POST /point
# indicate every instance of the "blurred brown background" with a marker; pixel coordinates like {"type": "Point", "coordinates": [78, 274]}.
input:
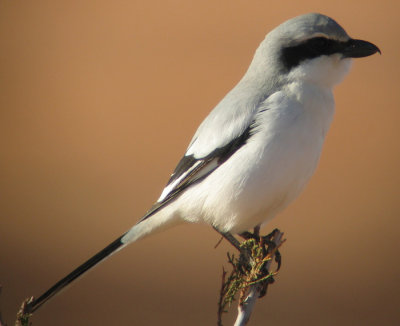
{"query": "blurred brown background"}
{"type": "Point", "coordinates": [98, 102]}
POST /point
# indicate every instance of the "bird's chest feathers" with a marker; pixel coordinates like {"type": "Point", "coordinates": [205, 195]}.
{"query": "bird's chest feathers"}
{"type": "Point", "coordinates": [299, 121]}
{"type": "Point", "coordinates": [310, 110]}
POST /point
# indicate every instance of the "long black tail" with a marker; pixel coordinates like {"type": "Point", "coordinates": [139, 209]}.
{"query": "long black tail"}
{"type": "Point", "coordinates": [56, 288]}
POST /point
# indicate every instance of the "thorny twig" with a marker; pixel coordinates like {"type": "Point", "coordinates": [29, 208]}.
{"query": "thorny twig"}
{"type": "Point", "coordinates": [250, 274]}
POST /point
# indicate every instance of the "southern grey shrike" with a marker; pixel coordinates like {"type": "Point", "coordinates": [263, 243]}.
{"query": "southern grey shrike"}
{"type": "Point", "coordinates": [257, 149]}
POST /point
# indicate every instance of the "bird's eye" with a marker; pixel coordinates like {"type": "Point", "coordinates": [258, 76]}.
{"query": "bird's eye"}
{"type": "Point", "coordinates": [319, 43]}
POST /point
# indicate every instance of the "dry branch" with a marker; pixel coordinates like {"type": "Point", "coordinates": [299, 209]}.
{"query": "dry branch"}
{"type": "Point", "coordinates": [251, 274]}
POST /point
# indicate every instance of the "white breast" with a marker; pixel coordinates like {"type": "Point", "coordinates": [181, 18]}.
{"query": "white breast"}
{"type": "Point", "coordinates": [266, 174]}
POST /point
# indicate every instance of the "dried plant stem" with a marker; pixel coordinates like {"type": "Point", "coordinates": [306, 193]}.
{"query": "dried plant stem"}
{"type": "Point", "coordinates": [251, 274]}
{"type": "Point", "coordinates": [245, 308]}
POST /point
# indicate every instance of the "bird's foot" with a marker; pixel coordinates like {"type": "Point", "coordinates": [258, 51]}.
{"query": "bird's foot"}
{"type": "Point", "coordinates": [255, 254]}
{"type": "Point", "coordinates": [252, 244]}
{"type": "Point", "coordinates": [253, 267]}
{"type": "Point", "coordinates": [248, 235]}
{"type": "Point", "coordinates": [269, 242]}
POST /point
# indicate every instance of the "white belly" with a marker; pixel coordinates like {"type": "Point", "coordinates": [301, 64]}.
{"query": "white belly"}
{"type": "Point", "coordinates": [270, 171]}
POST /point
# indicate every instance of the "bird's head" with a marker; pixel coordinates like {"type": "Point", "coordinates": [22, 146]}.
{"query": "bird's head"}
{"type": "Point", "coordinates": [311, 47]}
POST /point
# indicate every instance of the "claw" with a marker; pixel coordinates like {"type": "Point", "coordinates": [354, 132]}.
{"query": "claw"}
{"type": "Point", "coordinates": [248, 235]}
{"type": "Point", "coordinates": [278, 259]}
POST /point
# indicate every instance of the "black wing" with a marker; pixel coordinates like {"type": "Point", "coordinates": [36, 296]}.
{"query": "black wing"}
{"type": "Point", "coordinates": [191, 170]}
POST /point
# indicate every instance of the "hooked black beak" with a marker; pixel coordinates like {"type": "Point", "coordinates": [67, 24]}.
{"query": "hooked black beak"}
{"type": "Point", "coordinates": [359, 49]}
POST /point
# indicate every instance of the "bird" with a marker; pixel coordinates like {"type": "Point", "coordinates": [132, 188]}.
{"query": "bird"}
{"type": "Point", "coordinates": [257, 149]}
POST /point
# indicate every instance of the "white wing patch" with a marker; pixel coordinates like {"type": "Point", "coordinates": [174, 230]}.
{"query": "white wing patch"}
{"type": "Point", "coordinates": [192, 169]}
{"type": "Point", "coordinates": [176, 182]}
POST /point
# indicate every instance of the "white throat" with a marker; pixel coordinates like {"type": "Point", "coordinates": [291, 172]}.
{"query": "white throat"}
{"type": "Point", "coordinates": [325, 71]}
